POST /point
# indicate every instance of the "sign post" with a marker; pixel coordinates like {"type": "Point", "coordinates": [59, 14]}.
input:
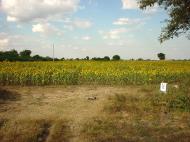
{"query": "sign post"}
{"type": "Point", "coordinates": [163, 87]}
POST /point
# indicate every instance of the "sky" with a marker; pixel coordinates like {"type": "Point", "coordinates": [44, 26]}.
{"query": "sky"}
{"type": "Point", "coordinates": [80, 28]}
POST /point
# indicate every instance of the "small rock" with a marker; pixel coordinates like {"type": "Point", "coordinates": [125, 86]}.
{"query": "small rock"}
{"type": "Point", "coordinates": [176, 86]}
{"type": "Point", "coordinates": [92, 98]}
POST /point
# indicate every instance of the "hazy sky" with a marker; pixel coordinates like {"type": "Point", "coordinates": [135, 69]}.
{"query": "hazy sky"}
{"type": "Point", "coordinates": [81, 28]}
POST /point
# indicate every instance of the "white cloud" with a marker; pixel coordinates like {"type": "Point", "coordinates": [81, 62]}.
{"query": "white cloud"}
{"type": "Point", "coordinates": [46, 28]}
{"type": "Point", "coordinates": [133, 4]}
{"type": "Point", "coordinates": [69, 27]}
{"type": "Point", "coordinates": [129, 4]}
{"type": "Point", "coordinates": [11, 19]}
{"type": "Point", "coordinates": [151, 10]}
{"type": "Point", "coordinates": [29, 10]}
{"type": "Point", "coordinates": [22, 42]}
{"type": "Point", "coordinates": [19, 26]}
{"type": "Point", "coordinates": [86, 38]}
{"type": "Point", "coordinates": [121, 21]}
{"type": "Point", "coordinates": [127, 21]}
{"type": "Point", "coordinates": [118, 44]}
{"type": "Point", "coordinates": [4, 42]}
{"type": "Point", "coordinates": [83, 24]}
{"type": "Point", "coordinates": [100, 31]}
{"type": "Point", "coordinates": [77, 23]}
{"type": "Point", "coordinates": [38, 28]}
{"type": "Point", "coordinates": [114, 33]}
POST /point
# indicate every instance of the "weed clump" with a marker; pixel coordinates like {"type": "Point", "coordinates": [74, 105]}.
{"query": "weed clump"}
{"type": "Point", "coordinates": [60, 132]}
{"type": "Point", "coordinates": [104, 130]}
{"type": "Point", "coordinates": [6, 95]}
{"type": "Point", "coordinates": [173, 100]}
{"type": "Point", "coordinates": [117, 103]}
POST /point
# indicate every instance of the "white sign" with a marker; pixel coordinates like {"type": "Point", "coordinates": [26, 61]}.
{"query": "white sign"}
{"type": "Point", "coordinates": [163, 87]}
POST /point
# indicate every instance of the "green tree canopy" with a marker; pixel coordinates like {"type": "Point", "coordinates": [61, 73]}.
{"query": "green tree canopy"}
{"type": "Point", "coordinates": [107, 58]}
{"type": "Point", "coordinates": [25, 53]}
{"type": "Point", "coordinates": [161, 56]}
{"type": "Point", "coordinates": [179, 16]}
{"type": "Point", "coordinates": [9, 55]}
{"type": "Point", "coordinates": [116, 58]}
{"type": "Point", "coordinates": [87, 58]}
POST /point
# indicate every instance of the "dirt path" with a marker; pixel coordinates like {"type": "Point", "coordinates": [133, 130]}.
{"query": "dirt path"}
{"type": "Point", "coordinates": [60, 102]}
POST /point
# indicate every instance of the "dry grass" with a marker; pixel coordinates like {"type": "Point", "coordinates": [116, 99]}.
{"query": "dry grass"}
{"type": "Point", "coordinates": [60, 132]}
{"type": "Point", "coordinates": [7, 96]}
{"type": "Point", "coordinates": [24, 131]}
{"type": "Point", "coordinates": [129, 118]}
{"type": "Point", "coordinates": [119, 114]}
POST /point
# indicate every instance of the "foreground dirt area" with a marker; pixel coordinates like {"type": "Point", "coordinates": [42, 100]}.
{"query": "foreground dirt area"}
{"type": "Point", "coordinates": [88, 113]}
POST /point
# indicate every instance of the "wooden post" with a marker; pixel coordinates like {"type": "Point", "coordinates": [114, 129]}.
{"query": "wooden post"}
{"type": "Point", "coordinates": [53, 52]}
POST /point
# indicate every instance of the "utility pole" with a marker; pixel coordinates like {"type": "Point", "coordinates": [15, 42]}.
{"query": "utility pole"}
{"type": "Point", "coordinates": [53, 52]}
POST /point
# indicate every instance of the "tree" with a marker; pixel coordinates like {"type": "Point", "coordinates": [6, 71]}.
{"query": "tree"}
{"type": "Point", "coordinates": [47, 58]}
{"type": "Point", "coordinates": [179, 16]}
{"type": "Point", "coordinates": [140, 59]}
{"type": "Point", "coordinates": [107, 58]}
{"type": "Point", "coordinates": [87, 58]}
{"type": "Point", "coordinates": [25, 53]}
{"type": "Point", "coordinates": [161, 56]}
{"type": "Point", "coordinates": [116, 58]}
{"type": "Point", "coordinates": [13, 55]}
{"type": "Point", "coordinates": [9, 55]}
{"type": "Point", "coordinates": [62, 59]}
{"type": "Point", "coordinates": [37, 58]}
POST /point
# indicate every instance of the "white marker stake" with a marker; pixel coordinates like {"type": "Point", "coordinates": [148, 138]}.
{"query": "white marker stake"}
{"type": "Point", "coordinates": [163, 87]}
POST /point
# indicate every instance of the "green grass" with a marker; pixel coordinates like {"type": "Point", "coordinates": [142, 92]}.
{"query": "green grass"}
{"type": "Point", "coordinates": [174, 100]}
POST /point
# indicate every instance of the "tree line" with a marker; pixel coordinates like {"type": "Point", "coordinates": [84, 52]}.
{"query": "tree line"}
{"type": "Point", "coordinates": [25, 55]}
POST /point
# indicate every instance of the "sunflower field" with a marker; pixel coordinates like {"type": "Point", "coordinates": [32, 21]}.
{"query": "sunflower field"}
{"type": "Point", "coordinates": [94, 72]}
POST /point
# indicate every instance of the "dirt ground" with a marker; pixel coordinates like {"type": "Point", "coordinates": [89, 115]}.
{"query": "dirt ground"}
{"type": "Point", "coordinates": [69, 103]}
